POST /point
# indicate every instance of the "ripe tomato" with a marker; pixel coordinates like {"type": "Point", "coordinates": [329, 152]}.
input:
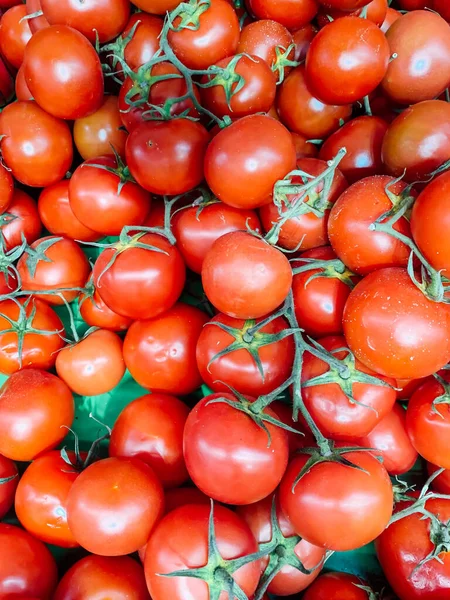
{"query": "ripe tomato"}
{"type": "Point", "coordinates": [359, 248]}
{"type": "Point", "coordinates": [215, 37]}
{"type": "Point", "coordinates": [376, 12]}
{"type": "Point", "coordinates": [347, 5]}
{"type": "Point", "coordinates": [441, 483]}
{"type": "Point", "coordinates": [181, 496]}
{"type": "Point", "coordinates": [9, 478]}
{"type": "Point", "coordinates": [144, 42]}
{"type": "Point", "coordinates": [303, 113]}
{"type": "Point", "coordinates": [58, 263]}
{"type": "Point", "coordinates": [6, 189]}
{"type": "Point", "coordinates": [239, 368]}
{"type": "Point", "coordinates": [160, 352]}
{"type": "Point", "coordinates": [94, 135]}
{"type": "Point", "coordinates": [421, 71]}
{"type": "Point", "coordinates": [157, 7]}
{"type": "Point", "coordinates": [124, 499]}
{"type": "Point", "coordinates": [57, 215]}
{"type": "Point", "coordinates": [407, 387]}
{"type": "Point", "coordinates": [64, 72]}
{"type": "Point", "coordinates": [293, 14]}
{"type": "Point", "coordinates": [15, 34]}
{"type": "Point", "coordinates": [302, 40]}
{"type": "Point", "coordinates": [347, 60]}
{"type": "Point", "coordinates": [409, 343]}
{"type": "Point", "coordinates": [227, 454]}
{"type": "Point", "coordinates": [40, 153]}
{"type": "Point", "coordinates": [244, 161]}
{"type": "Point", "coordinates": [94, 365]}
{"type": "Point", "coordinates": [180, 541]}
{"type": "Point", "coordinates": [151, 429]}
{"type": "Point", "coordinates": [96, 313]}
{"type": "Point", "coordinates": [166, 157]}
{"type": "Point", "coordinates": [39, 21]}
{"type": "Point", "coordinates": [21, 88]}
{"type": "Point", "coordinates": [26, 223]}
{"type": "Point", "coordinates": [29, 568]}
{"type": "Point", "coordinates": [28, 398]}
{"type": "Point", "coordinates": [336, 586]}
{"type": "Point", "coordinates": [6, 84]}
{"type": "Point", "coordinates": [443, 8]}
{"type": "Point", "coordinates": [418, 140]}
{"type": "Point", "coordinates": [263, 38]}
{"type": "Point", "coordinates": [244, 277]}
{"type": "Point", "coordinates": [322, 509]}
{"type": "Point", "coordinates": [303, 147]}
{"type": "Point", "coordinates": [391, 16]}
{"type": "Point", "coordinates": [362, 137]}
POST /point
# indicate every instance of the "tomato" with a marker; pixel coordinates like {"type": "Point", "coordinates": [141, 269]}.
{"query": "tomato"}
{"type": "Point", "coordinates": [227, 454]}
{"type": "Point", "coordinates": [26, 222]}
{"type": "Point", "coordinates": [361, 249]}
{"type": "Point", "coordinates": [244, 161]}
{"type": "Point", "coordinates": [293, 14]}
{"type": "Point", "coordinates": [322, 506]}
{"type": "Point", "coordinates": [362, 137]}
{"type": "Point", "coordinates": [181, 496]}
{"type": "Point", "coordinates": [288, 580]}
{"type": "Point", "coordinates": [336, 586]}
{"type": "Point", "coordinates": [346, 61]}
{"type": "Point", "coordinates": [64, 72]}
{"type": "Point", "coordinates": [151, 429]}
{"type": "Point", "coordinates": [124, 499]}
{"type": "Point", "coordinates": [37, 147]}
{"type": "Point", "coordinates": [239, 368]}
{"type": "Point", "coordinates": [160, 352]}
{"type": "Point", "coordinates": [409, 343]}
{"type": "Point", "coordinates": [175, 150]}
{"type": "Point", "coordinates": [180, 541]}
{"type": "Point", "coordinates": [244, 277]}
{"type": "Point", "coordinates": [21, 88]}
{"type": "Point", "coordinates": [412, 4]}
{"type": "Point", "coordinates": [39, 21]}
{"type": "Point", "coordinates": [215, 37]}
{"type": "Point", "coordinates": [21, 343]}
{"type": "Point", "coordinates": [405, 544]}
{"type": "Point", "coordinates": [375, 11]}
{"type": "Point", "coordinates": [302, 40]}
{"type": "Point", "coordinates": [442, 7]}
{"type": "Point", "coordinates": [157, 7]}
{"type": "Point", "coordinates": [421, 71]}
{"type": "Point", "coordinates": [144, 43]}
{"type": "Point", "coordinates": [29, 568]}
{"type": "Point", "coordinates": [6, 189]}
{"type": "Point", "coordinates": [430, 222]}
{"type": "Point", "coordinates": [141, 283]}
{"type": "Point", "coordinates": [406, 387]}
{"type": "Point", "coordinates": [58, 264]}
{"type": "Point", "coordinates": [263, 38]}
{"type": "Point", "coordinates": [6, 84]}
{"type": "Point", "coordinates": [96, 313]}
{"type": "Point", "coordinates": [9, 478]}
{"type": "Point", "coordinates": [15, 34]}
{"type": "Point", "coordinates": [304, 113]}
{"type": "Point", "coordinates": [346, 5]}
{"type": "Point", "coordinates": [306, 230]}
{"type": "Point", "coordinates": [418, 140]}
{"type": "Point", "coordinates": [391, 16]}
{"type": "Point", "coordinates": [441, 483]}
{"type": "Point", "coordinates": [303, 147]}
{"type": "Point", "coordinates": [101, 576]}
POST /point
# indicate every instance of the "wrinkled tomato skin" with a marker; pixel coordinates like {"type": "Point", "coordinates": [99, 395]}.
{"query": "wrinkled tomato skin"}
{"type": "Point", "coordinates": [26, 222]}
{"type": "Point", "coordinates": [336, 586]}
{"type": "Point", "coordinates": [160, 352]}
{"type": "Point", "coordinates": [97, 314]}
{"type": "Point", "coordinates": [293, 14]}
{"type": "Point", "coordinates": [8, 488]}
{"type": "Point", "coordinates": [380, 309]}
{"type": "Point", "coordinates": [15, 34]}
{"type": "Point", "coordinates": [227, 454]}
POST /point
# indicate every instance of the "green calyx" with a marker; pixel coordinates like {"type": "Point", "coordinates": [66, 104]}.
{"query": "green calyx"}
{"type": "Point", "coordinates": [80, 464]}
{"type": "Point", "coordinates": [283, 61]}
{"type": "Point", "coordinates": [443, 398]}
{"type": "Point", "coordinates": [227, 78]}
{"type": "Point", "coordinates": [38, 254]}
{"type": "Point", "coordinates": [122, 172]}
{"type": "Point", "coordinates": [188, 15]}
{"type": "Point", "coordinates": [371, 595]}
{"type": "Point", "coordinates": [332, 268]}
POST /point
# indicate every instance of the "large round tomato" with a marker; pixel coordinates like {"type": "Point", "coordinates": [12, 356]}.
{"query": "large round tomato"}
{"type": "Point", "coordinates": [9, 478]}
{"type": "Point", "coordinates": [28, 397]}
{"type": "Point", "coordinates": [113, 506]}
{"type": "Point", "coordinates": [336, 586]}
{"type": "Point", "coordinates": [293, 14]}
{"type": "Point", "coordinates": [15, 34]}
{"type": "Point", "coordinates": [26, 223]}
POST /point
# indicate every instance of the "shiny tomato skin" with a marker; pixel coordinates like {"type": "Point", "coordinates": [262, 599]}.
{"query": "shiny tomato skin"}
{"type": "Point", "coordinates": [418, 140]}
{"type": "Point", "coordinates": [116, 490]}
{"type": "Point", "coordinates": [244, 277]}
{"type": "Point", "coordinates": [151, 428]}
{"type": "Point", "coordinates": [160, 352]}
{"type": "Point", "coordinates": [336, 586]}
{"type": "Point", "coordinates": [261, 38]}
{"type": "Point", "coordinates": [303, 113]}
{"type": "Point", "coordinates": [70, 86]}
{"type": "Point", "coordinates": [21, 88]}
{"type": "Point", "coordinates": [227, 454]}
{"type": "Point", "coordinates": [380, 342]}
{"type": "Point", "coordinates": [180, 496]}
{"type": "Point", "coordinates": [37, 147]}
{"type": "Point", "coordinates": [376, 12]}
{"type": "Point", "coordinates": [346, 5]}
{"type": "Point", "coordinates": [180, 541]}
{"type": "Point", "coordinates": [421, 71]}
{"type": "Point", "coordinates": [441, 483]}
{"type": "Point", "coordinates": [8, 469]}
{"type": "Point", "coordinates": [238, 369]}
{"type": "Point", "coordinates": [293, 14]}
{"type": "Point", "coordinates": [15, 34]}
{"type": "Point", "coordinates": [97, 314]}
{"type": "Point", "coordinates": [346, 61]}
{"type": "Point", "coordinates": [58, 217]}
{"type": "Point", "coordinates": [29, 569]}
{"type": "Point", "coordinates": [156, 7]}
{"type": "Point", "coordinates": [407, 387]}
{"type": "Point", "coordinates": [302, 40]}
{"type": "Point", "coordinates": [29, 396]}
{"type": "Point", "coordinates": [145, 41]}
{"type": "Point", "coordinates": [324, 514]}
{"type": "Point", "coordinates": [360, 249]}
{"type": "Point", "coordinates": [26, 222]}
{"type": "Point", "coordinates": [244, 161]}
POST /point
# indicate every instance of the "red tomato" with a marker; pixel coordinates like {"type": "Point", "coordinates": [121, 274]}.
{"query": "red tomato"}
{"type": "Point", "coordinates": [322, 509]}
{"type": "Point", "coordinates": [227, 454]}
{"type": "Point", "coordinates": [160, 352]}
{"type": "Point", "coordinates": [347, 5]}
{"type": "Point", "coordinates": [336, 586]}
{"type": "Point", "coordinates": [124, 499]}
{"type": "Point", "coordinates": [97, 314]}
{"type": "Point", "coordinates": [39, 21]}
{"type": "Point", "coordinates": [293, 14]}
{"type": "Point", "coordinates": [157, 7]}
{"type": "Point", "coordinates": [375, 12]}
{"type": "Point", "coordinates": [181, 496]}
{"type": "Point", "coordinates": [244, 277]}
{"type": "Point", "coordinates": [441, 483]}
{"type": "Point", "coordinates": [40, 153]}
{"type": "Point", "coordinates": [347, 60]}
{"type": "Point", "coordinates": [244, 161]}
{"type": "Point", "coordinates": [406, 387]}
{"type": "Point", "coordinates": [15, 34]}
{"type": "Point", "coordinates": [9, 478]}
{"type": "Point", "coordinates": [100, 576]}
{"type": "Point", "coordinates": [391, 16]}
{"type": "Point", "coordinates": [151, 428]}
{"type": "Point", "coordinates": [64, 72]}
{"type": "Point", "coordinates": [22, 91]}
{"type": "Point", "coordinates": [6, 84]}
{"type": "Point", "coordinates": [303, 147]}
{"type": "Point", "coordinates": [57, 215]}
{"type": "Point", "coordinates": [61, 265]}
{"type": "Point", "coordinates": [29, 568]}
{"type": "Point", "coordinates": [302, 40]}
{"type": "Point", "coordinates": [409, 343]}
{"type": "Point", "coordinates": [442, 7]}
{"type": "Point", "coordinates": [26, 223]}
{"type": "Point", "coordinates": [180, 541]}
{"type": "Point", "coordinates": [144, 42]}
{"type": "Point", "coordinates": [239, 368]}
{"type": "Point", "coordinates": [6, 189]}
{"type": "Point", "coordinates": [263, 38]}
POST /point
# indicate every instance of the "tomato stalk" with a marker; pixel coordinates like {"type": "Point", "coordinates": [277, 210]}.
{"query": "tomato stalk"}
{"type": "Point", "coordinates": [80, 463]}
{"type": "Point", "coordinates": [8, 260]}
{"type": "Point", "coordinates": [122, 172]}
{"type": "Point", "coordinates": [332, 268]}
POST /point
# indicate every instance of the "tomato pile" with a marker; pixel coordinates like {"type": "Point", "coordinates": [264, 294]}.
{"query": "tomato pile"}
{"type": "Point", "coordinates": [238, 211]}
